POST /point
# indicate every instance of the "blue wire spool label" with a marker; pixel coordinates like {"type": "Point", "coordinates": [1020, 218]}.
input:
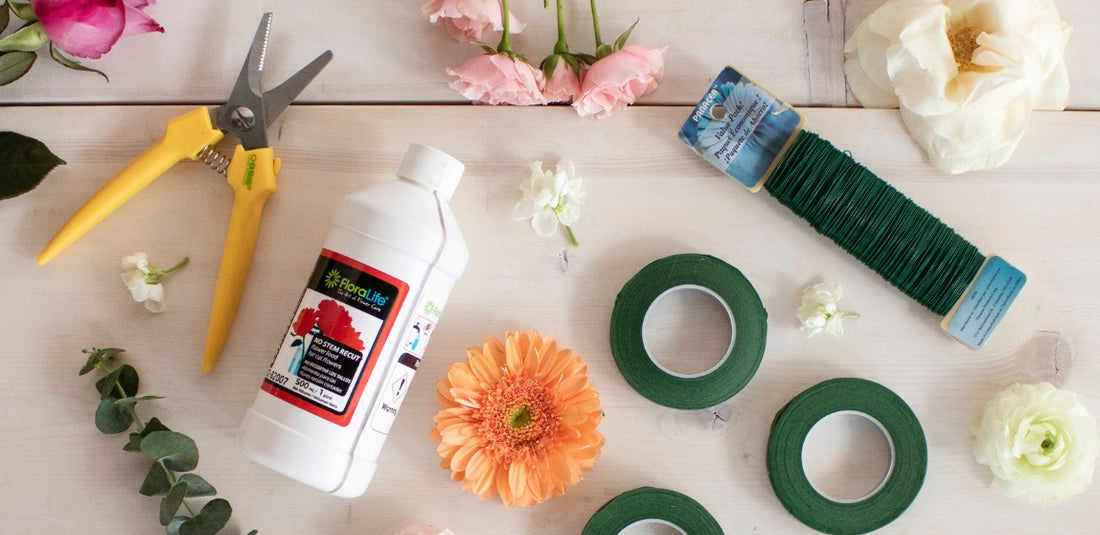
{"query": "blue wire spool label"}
{"type": "Point", "coordinates": [985, 303]}
{"type": "Point", "coordinates": [740, 128]}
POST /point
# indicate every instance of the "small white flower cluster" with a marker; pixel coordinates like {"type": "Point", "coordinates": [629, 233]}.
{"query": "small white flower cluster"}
{"type": "Point", "coordinates": [818, 311]}
{"type": "Point", "coordinates": [549, 198]}
{"type": "Point", "coordinates": [1040, 442]}
{"type": "Point", "coordinates": [143, 280]}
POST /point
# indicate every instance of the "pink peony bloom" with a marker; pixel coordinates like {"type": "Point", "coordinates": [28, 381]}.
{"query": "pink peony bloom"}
{"type": "Point", "coordinates": [564, 85]}
{"type": "Point", "coordinates": [619, 79]}
{"type": "Point", "coordinates": [499, 79]}
{"type": "Point", "coordinates": [469, 20]}
{"type": "Point", "coordinates": [89, 28]}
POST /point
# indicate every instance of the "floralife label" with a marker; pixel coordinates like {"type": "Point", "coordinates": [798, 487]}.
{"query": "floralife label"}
{"type": "Point", "coordinates": [332, 344]}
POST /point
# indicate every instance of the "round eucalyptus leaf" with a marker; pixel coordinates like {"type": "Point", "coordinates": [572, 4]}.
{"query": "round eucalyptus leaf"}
{"type": "Point", "coordinates": [176, 450]}
{"type": "Point", "coordinates": [110, 418]}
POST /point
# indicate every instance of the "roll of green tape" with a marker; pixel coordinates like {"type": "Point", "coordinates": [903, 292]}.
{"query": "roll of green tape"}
{"type": "Point", "coordinates": [681, 391]}
{"type": "Point", "coordinates": [654, 505]}
{"type": "Point", "coordinates": [909, 456]}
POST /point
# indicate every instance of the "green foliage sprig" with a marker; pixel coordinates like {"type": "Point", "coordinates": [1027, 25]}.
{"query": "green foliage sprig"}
{"type": "Point", "coordinates": [174, 455]}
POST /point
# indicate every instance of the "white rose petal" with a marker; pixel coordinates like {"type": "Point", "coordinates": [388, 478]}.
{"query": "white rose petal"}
{"type": "Point", "coordinates": [965, 73]}
{"type": "Point", "coordinates": [1040, 442]}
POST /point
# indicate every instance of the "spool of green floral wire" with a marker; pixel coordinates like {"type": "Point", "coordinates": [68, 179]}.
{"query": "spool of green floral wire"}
{"type": "Point", "coordinates": [758, 140]}
{"type": "Point", "coordinates": [877, 224]}
{"type": "Point", "coordinates": [652, 505]}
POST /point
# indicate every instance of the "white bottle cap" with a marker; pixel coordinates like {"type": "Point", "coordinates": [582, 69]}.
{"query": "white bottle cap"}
{"type": "Point", "coordinates": [432, 167]}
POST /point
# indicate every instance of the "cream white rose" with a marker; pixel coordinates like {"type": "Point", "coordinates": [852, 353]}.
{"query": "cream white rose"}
{"type": "Point", "coordinates": [1040, 442]}
{"type": "Point", "coordinates": [965, 73]}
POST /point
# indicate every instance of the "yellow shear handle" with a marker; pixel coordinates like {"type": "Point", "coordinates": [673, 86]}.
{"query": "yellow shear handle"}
{"type": "Point", "coordinates": [184, 137]}
{"type": "Point", "coordinates": [252, 175]}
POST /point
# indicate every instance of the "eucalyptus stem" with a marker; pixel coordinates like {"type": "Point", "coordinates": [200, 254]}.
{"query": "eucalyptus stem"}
{"type": "Point", "coordinates": [129, 408]}
{"type": "Point", "coordinates": [172, 480]}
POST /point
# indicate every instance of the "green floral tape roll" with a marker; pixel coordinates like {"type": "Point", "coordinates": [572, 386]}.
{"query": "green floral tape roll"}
{"type": "Point", "coordinates": [909, 458]}
{"type": "Point", "coordinates": [649, 504]}
{"type": "Point", "coordinates": [688, 391]}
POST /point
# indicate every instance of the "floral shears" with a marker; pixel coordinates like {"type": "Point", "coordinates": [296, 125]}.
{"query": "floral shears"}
{"type": "Point", "coordinates": [251, 172]}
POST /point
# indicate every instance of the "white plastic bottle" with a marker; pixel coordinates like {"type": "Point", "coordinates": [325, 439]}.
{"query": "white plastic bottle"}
{"type": "Point", "coordinates": [360, 329]}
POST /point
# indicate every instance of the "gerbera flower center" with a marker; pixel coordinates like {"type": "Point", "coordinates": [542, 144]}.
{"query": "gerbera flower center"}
{"type": "Point", "coordinates": [964, 41]}
{"type": "Point", "coordinates": [517, 417]}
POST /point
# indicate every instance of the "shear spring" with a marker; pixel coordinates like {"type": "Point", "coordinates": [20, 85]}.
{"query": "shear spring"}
{"type": "Point", "coordinates": [216, 160]}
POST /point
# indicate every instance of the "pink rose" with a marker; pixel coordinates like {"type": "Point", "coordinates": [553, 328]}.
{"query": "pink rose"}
{"type": "Point", "coordinates": [564, 84]}
{"type": "Point", "coordinates": [619, 79]}
{"type": "Point", "coordinates": [89, 28]}
{"type": "Point", "coordinates": [468, 20]}
{"type": "Point", "coordinates": [499, 79]}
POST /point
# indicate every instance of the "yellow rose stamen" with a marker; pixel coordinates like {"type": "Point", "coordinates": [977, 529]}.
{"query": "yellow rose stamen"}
{"type": "Point", "coordinates": [964, 41]}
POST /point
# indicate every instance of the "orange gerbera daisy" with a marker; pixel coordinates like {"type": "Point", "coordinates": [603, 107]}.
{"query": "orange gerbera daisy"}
{"type": "Point", "coordinates": [519, 419]}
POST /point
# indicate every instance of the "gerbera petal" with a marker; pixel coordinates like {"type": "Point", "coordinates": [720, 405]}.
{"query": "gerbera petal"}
{"type": "Point", "coordinates": [517, 478]}
{"type": "Point", "coordinates": [484, 368]}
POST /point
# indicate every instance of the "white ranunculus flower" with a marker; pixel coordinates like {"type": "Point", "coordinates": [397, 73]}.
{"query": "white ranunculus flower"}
{"type": "Point", "coordinates": [965, 73]}
{"type": "Point", "coordinates": [550, 197]}
{"type": "Point", "coordinates": [818, 311]}
{"type": "Point", "coordinates": [1040, 442]}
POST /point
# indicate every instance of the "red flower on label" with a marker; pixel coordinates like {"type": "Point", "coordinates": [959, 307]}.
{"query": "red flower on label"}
{"type": "Point", "coordinates": [335, 323]}
{"type": "Point", "coordinates": [306, 319]}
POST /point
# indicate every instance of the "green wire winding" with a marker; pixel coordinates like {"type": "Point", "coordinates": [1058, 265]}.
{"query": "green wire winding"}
{"type": "Point", "coordinates": [884, 229]}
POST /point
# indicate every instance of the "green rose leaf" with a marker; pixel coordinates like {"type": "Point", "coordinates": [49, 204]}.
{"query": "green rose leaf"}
{"type": "Point", "coordinates": [28, 38]}
{"type": "Point", "coordinates": [57, 56]}
{"type": "Point", "coordinates": [13, 65]}
{"type": "Point", "coordinates": [24, 161]}
{"type": "Point", "coordinates": [110, 418]}
{"type": "Point", "coordinates": [156, 481]}
{"type": "Point", "coordinates": [152, 425]}
{"type": "Point", "coordinates": [24, 11]}
{"type": "Point", "coordinates": [197, 487]}
{"type": "Point", "coordinates": [5, 15]}
{"type": "Point", "coordinates": [172, 502]}
{"type": "Point", "coordinates": [210, 520]}
{"type": "Point", "coordinates": [176, 450]}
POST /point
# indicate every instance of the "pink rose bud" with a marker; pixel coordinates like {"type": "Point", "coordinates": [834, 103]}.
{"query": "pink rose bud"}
{"type": "Point", "coordinates": [88, 28]}
{"type": "Point", "coordinates": [469, 20]}
{"type": "Point", "coordinates": [564, 85]}
{"type": "Point", "coordinates": [620, 79]}
{"type": "Point", "coordinates": [499, 79]}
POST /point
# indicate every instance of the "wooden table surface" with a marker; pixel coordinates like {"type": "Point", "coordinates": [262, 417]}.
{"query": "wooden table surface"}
{"type": "Point", "coordinates": [648, 196]}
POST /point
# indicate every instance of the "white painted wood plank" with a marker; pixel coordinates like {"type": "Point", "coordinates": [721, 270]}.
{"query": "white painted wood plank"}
{"type": "Point", "coordinates": [648, 196]}
{"type": "Point", "coordinates": [387, 52]}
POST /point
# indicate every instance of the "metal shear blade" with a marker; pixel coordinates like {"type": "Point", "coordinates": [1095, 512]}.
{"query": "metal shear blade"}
{"type": "Point", "coordinates": [248, 106]}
